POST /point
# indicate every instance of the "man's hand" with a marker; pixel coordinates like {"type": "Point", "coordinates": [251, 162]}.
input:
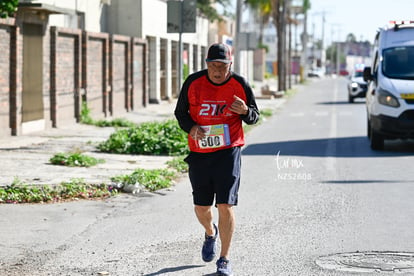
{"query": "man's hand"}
{"type": "Point", "coordinates": [197, 132]}
{"type": "Point", "coordinates": [239, 106]}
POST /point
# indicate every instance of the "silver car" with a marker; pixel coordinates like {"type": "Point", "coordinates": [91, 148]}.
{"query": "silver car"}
{"type": "Point", "coordinates": [357, 87]}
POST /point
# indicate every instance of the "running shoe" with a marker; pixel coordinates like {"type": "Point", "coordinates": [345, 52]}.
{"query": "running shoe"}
{"type": "Point", "coordinates": [223, 267]}
{"type": "Point", "coordinates": [209, 246]}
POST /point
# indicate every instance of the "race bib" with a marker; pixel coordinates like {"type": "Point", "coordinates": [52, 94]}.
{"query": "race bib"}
{"type": "Point", "coordinates": [216, 136]}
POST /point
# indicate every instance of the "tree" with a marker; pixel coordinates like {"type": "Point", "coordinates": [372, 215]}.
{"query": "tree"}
{"type": "Point", "coordinates": [351, 38]}
{"type": "Point", "coordinates": [264, 8]}
{"type": "Point", "coordinates": [280, 10]}
{"type": "Point", "coordinates": [8, 8]}
{"type": "Point", "coordinates": [207, 8]}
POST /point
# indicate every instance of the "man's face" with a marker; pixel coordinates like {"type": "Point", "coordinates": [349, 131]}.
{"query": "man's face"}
{"type": "Point", "coordinates": [218, 72]}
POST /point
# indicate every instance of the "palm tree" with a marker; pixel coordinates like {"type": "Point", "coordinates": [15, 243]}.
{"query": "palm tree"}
{"type": "Point", "coordinates": [280, 11]}
{"type": "Point", "coordinates": [264, 8]}
{"type": "Point", "coordinates": [206, 7]}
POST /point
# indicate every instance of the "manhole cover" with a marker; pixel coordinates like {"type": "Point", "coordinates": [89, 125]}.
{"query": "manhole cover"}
{"type": "Point", "coordinates": [369, 261]}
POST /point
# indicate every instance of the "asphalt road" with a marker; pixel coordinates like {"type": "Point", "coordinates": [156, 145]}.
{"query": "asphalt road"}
{"type": "Point", "coordinates": [311, 187]}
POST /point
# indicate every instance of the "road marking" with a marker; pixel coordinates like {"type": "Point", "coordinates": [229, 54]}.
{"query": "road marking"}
{"type": "Point", "coordinates": [297, 114]}
{"type": "Point", "coordinates": [331, 146]}
{"type": "Point", "coordinates": [321, 113]}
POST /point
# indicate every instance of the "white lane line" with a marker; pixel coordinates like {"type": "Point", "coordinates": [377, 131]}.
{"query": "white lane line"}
{"type": "Point", "coordinates": [333, 132]}
{"type": "Point", "coordinates": [321, 113]}
{"type": "Point", "coordinates": [297, 114]}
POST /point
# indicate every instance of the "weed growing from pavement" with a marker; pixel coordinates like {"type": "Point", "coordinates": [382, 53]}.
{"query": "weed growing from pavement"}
{"type": "Point", "coordinates": [75, 159]}
{"type": "Point", "coordinates": [88, 120]}
{"type": "Point", "coordinates": [150, 138]}
{"type": "Point", "coordinates": [264, 113]}
{"type": "Point", "coordinates": [85, 115]}
{"type": "Point", "coordinates": [178, 164]}
{"type": "Point", "coordinates": [75, 189]}
{"type": "Point", "coordinates": [151, 180]}
{"type": "Point", "coordinates": [153, 138]}
{"type": "Point", "coordinates": [20, 192]}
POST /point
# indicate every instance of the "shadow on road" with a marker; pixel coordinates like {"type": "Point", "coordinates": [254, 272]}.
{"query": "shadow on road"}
{"type": "Point", "coordinates": [341, 103]}
{"type": "Point", "coordinates": [363, 181]}
{"type": "Point", "coordinates": [173, 269]}
{"type": "Point", "coordinates": [331, 147]}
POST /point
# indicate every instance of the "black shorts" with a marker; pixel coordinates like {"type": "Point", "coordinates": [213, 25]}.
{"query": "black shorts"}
{"type": "Point", "coordinates": [215, 174]}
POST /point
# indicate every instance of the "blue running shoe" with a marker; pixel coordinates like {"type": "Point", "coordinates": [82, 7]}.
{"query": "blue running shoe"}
{"type": "Point", "coordinates": [223, 267]}
{"type": "Point", "coordinates": [209, 247]}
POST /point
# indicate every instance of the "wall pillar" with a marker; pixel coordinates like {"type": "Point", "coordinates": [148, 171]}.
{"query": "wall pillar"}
{"type": "Point", "coordinates": [154, 70]}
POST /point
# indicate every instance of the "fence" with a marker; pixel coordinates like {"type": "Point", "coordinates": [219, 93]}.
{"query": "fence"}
{"type": "Point", "coordinates": [46, 74]}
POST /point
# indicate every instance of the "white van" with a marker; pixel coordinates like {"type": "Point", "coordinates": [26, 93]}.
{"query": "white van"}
{"type": "Point", "coordinates": [390, 95]}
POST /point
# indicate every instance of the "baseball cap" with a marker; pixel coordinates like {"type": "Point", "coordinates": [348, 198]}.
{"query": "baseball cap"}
{"type": "Point", "coordinates": [219, 52]}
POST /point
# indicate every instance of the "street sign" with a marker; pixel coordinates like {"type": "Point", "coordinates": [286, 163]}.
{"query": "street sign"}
{"type": "Point", "coordinates": [181, 16]}
{"type": "Point", "coordinates": [247, 41]}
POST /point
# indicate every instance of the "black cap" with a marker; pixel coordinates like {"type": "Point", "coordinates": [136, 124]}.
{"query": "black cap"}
{"type": "Point", "coordinates": [219, 52]}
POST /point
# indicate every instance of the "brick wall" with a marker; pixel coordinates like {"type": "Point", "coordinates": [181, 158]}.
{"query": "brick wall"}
{"type": "Point", "coordinates": [108, 72]}
{"type": "Point", "coordinates": [95, 73]}
{"type": "Point", "coordinates": [138, 74]}
{"type": "Point", "coordinates": [65, 76]}
{"type": "Point", "coordinates": [119, 75]}
{"type": "Point", "coordinates": [7, 39]}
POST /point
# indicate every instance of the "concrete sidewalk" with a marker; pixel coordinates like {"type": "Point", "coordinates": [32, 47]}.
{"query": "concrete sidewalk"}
{"type": "Point", "coordinates": [27, 157]}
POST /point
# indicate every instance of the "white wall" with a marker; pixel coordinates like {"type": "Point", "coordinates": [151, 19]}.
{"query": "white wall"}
{"type": "Point", "coordinates": [146, 19]}
{"type": "Point", "coordinates": [91, 8]}
{"type": "Point", "coordinates": [154, 23]}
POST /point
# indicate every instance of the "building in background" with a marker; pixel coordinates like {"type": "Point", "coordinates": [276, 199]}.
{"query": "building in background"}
{"type": "Point", "coordinates": [115, 55]}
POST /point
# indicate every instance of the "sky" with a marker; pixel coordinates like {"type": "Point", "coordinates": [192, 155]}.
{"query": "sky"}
{"type": "Point", "coordinates": [360, 17]}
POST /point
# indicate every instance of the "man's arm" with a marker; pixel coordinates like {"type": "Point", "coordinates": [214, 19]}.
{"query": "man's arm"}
{"type": "Point", "coordinates": [182, 109]}
{"type": "Point", "coordinates": [253, 113]}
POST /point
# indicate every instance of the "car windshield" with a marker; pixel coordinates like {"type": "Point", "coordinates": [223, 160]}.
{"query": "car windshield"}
{"type": "Point", "coordinates": [358, 74]}
{"type": "Point", "coordinates": [398, 62]}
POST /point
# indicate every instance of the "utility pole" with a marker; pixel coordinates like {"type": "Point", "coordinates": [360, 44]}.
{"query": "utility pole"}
{"type": "Point", "coordinates": [323, 54]}
{"type": "Point", "coordinates": [236, 45]}
{"type": "Point", "coordinates": [181, 18]}
{"type": "Point", "coordinates": [304, 58]}
{"type": "Point", "coordinates": [289, 56]}
{"type": "Point", "coordinates": [180, 46]}
{"type": "Point", "coordinates": [322, 48]}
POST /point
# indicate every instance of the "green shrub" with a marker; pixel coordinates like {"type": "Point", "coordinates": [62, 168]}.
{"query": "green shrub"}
{"type": "Point", "coordinates": [150, 138]}
{"type": "Point", "coordinates": [178, 164]}
{"type": "Point", "coordinates": [152, 180]}
{"type": "Point", "coordinates": [85, 113]}
{"type": "Point", "coordinates": [74, 160]}
{"type": "Point", "coordinates": [119, 122]}
{"type": "Point", "coordinates": [20, 192]}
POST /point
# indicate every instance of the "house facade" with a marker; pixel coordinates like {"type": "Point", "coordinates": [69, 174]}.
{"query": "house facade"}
{"type": "Point", "coordinates": [115, 56]}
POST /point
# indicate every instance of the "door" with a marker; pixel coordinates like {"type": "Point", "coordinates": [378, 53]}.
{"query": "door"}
{"type": "Point", "coordinates": [32, 96]}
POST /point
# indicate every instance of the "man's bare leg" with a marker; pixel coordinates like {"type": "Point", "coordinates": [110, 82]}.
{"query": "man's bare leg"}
{"type": "Point", "coordinates": [226, 227]}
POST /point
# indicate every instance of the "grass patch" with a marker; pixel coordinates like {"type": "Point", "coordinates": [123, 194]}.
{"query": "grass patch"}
{"type": "Point", "coordinates": [20, 192]}
{"type": "Point", "coordinates": [264, 113]}
{"type": "Point", "coordinates": [291, 92]}
{"type": "Point", "coordinates": [75, 159]}
{"type": "Point", "coordinates": [88, 120]}
{"type": "Point", "coordinates": [150, 138]}
{"type": "Point", "coordinates": [151, 180]}
{"type": "Point", "coordinates": [267, 112]}
{"type": "Point", "coordinates": [120, 122]}
{"type": "Point", "coordinates": [178, 164]}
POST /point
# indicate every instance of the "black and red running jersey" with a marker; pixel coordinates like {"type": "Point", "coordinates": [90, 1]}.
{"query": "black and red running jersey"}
{"type": "Point", "coordinates": [203, 103]}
